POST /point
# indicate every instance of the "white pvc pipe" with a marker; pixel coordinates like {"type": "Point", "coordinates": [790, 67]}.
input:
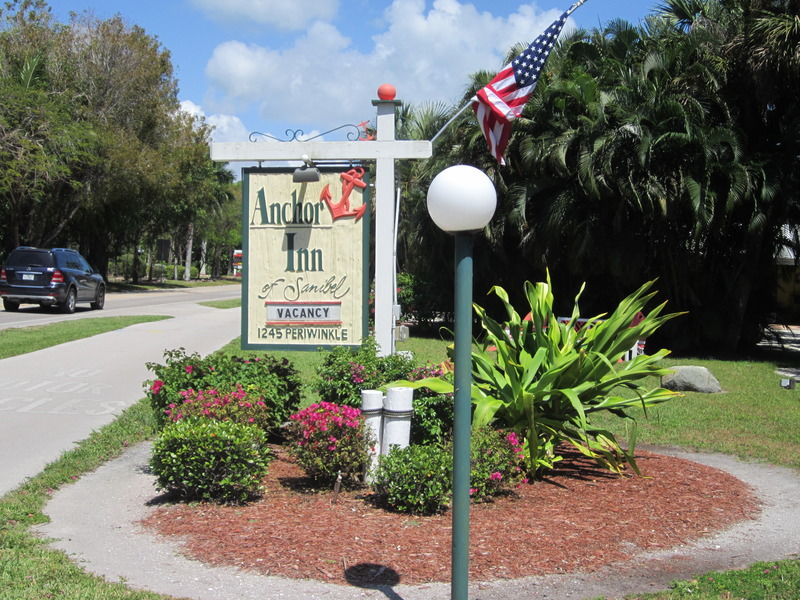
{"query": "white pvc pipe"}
{"type": "Point", "coordinates": [372, 409]}
{"type": "Point", "coordinates": [398, 407]}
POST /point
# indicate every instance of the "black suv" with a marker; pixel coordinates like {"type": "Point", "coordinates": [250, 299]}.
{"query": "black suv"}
{"type": "Point", "coordinates": [58, 277]}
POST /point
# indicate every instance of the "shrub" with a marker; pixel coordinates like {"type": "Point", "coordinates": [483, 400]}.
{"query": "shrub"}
{"type": "Point", "coordinates": [545, 379]}
{"type": "Point", "coordinates": [273, 381]}
{"type": "Point", "coordinates": [344, 372]}
{"type": "Point", "coordinates": [496, 460]}
{"type": "Point", "coordinates": [180, 372]}
{"type": "Point", "coordinates": [329, 440]}
{"type": "Point", "coordinates": [416, 479]}
{"type": "Point", "coordinates": [193, 272]}
{"type": "Point", "coordinates": [203, 459]}
{"type": "Point", "coordinates": [234, 406]}
{"type": "Point", "coordinates": [433, 411]}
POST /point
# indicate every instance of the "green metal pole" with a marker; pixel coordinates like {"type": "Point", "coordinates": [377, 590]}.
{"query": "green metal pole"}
{"type": "Point", "coordinates": [462, 418]}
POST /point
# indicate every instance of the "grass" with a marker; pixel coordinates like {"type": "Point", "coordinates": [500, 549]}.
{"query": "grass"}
{"type": "Point", "coordinates": [230, 303]}
{"type": "Point", "coordinates": [753, 418]}
{"type": "Point", "coordinates": [29, 570]}
{"type": "Point", "coordinates": [762, 581]}
{"type": "Point", "coordinates": [16, 341]}
{"type": "Point", "coordinates": [167, 284]}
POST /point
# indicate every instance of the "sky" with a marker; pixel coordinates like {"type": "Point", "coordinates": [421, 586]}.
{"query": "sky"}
{"type": "Point", "coordinates": [313, 65]}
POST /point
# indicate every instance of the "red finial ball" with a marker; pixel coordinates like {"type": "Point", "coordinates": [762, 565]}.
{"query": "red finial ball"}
{"type": "Point", "coordinates": [387, 92]}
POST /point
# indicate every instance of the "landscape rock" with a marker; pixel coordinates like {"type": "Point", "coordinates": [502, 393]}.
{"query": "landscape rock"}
{"type": "Point", "coordinates": [688, 378]}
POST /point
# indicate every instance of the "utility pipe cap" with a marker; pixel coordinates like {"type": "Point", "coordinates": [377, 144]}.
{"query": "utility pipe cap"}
{"type": "Point", "coordinates": [461, 198]}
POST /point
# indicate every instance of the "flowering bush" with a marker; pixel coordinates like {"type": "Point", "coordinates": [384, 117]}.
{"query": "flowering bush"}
{"type": "Point", "coordinates": [330, 439]}
{"type": "Point", "coordinates": [496, 463]}
{"type": "Point", "coordinates": [236, 406]}
{"type": "Point", "coordinates": [203, 459]}
{"type": "Point", "coordinates": [345, 372]}
{"type": "Point", "coordinates": [416, 479]}
{"type": "Point", "coordinates": [273, 381]}
{"type": "Point", "coordinates": [181, 372]}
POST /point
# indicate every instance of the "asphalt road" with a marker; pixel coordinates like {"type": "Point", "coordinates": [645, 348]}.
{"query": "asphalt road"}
{"type": "Point", "coordinates": [53, 398]}
{"type": "Point", "coordinates": [119, 304]}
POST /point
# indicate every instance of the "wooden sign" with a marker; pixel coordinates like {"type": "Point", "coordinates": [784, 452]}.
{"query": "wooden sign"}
{"type": "Point", "coordinates": [306, 255]}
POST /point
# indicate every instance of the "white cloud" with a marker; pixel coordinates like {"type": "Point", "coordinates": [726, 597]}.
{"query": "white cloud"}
{"type": "Point", "coordinates": [191, 108]}
{"type": "Point", "coordinates": [428, 54]}
{"type": "Point", "coordinates": [279, 13]}
{"type": "Point", "coordinates": [226, 128]}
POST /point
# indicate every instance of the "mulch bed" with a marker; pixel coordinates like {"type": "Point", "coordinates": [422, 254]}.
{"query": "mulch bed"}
{"type": "Point", "coordinates": [580, 518]}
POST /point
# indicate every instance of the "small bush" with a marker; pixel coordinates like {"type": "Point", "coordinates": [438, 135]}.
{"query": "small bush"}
{"type": "Point", "coordinates": [234, 406]}
{"type": "Point", "coordinates": [496, 461]}
{"type": "Point", "coordinates": [329, 439]}
{"type": "Point", "coordinates": [203, 459]}
{"type": "Point", "coordinates": [273, 381]}
{"type": "Point", "coordinates": [181, 372]}
{"type": "Point", "coordinates": [432, 422]}
{"type": "Point", "coordinates": [416, 479]}
{"type": "Point", "coordinates": [344, 372]}
{"type": "Point", "coordinates": [193, 272]}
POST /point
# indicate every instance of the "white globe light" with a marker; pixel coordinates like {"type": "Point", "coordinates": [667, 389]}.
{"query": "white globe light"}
{"type": "Point", "coordinates": [461, 198]}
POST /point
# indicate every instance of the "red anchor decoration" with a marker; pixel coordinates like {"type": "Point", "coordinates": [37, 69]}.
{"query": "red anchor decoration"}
{"type": "Point", "coordinates": [364, 134]}
{"type": "Point", "coordinates": [350, 179]}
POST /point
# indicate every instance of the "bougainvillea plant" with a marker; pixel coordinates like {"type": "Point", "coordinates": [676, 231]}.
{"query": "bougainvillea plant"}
{"type": "Point", "coordinates": [236, 406]}
{"type": "Point", "coordinates": [330, 440]}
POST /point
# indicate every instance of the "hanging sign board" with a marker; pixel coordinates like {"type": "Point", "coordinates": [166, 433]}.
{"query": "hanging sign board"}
{"type": "Point", "coordinates": [305, 258]}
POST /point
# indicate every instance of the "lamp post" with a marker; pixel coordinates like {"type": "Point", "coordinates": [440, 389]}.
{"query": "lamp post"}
{"type": "Point", "coordinates": [462, 200]}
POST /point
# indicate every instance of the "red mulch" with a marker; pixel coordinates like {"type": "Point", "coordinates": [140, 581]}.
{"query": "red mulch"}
{"type": "Point", "coordinates": [580, 518]}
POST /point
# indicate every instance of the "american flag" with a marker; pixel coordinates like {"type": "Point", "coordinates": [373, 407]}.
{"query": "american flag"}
{"type": "Point", "coordinates": [501, 101]}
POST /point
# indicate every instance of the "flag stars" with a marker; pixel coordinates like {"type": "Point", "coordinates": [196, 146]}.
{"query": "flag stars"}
{"type": "Point", "coordinates": [497, 107]}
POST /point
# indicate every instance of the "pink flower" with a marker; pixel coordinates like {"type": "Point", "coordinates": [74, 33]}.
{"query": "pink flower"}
{"type": "Point", "coordinates": [472, 491]}
{"type": "Point", "coordinates": [496, 476]}
{"type": "Point", "coordinates": [157, 385]}
{"type": "Point", "coordinates": [188, 368]}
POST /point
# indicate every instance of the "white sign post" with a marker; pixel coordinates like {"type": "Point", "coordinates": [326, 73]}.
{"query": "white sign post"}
{"type": "Point", "coordinates": [384, 150]}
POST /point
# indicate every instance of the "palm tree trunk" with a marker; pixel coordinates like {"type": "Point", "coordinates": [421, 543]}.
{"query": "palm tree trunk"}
{"type": "Point", "coordinates": [187, 273]}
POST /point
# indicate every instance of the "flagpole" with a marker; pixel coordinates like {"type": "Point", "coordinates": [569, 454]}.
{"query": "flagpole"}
{"type": "Point", "coordinates": [453, 118]}
{"type": "Point", "coordinates": [568, 12]}
{"type": "Point", "coordinates": [575, 7]}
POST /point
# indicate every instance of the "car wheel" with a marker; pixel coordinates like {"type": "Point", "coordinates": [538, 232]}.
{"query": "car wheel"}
{"type": "Point", "coordinates": [69, 304]}
{"type": "Point", "coordinates": [99, 298]}
{"type": "Point", "coordinates": [10, 305]}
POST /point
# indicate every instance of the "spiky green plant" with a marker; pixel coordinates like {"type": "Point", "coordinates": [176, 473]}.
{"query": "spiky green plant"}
{"type": "Point", "coordinates": [544, 378]}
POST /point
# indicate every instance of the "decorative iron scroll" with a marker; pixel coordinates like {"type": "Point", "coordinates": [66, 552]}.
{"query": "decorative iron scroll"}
{"type": "Point", "coordinates": [357, 132]}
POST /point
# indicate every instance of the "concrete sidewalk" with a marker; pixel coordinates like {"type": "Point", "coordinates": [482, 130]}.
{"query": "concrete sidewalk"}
{"type": "Point", "coordinates": [109, 541]}
{"type": "Point", "coordinates": [53, 398]}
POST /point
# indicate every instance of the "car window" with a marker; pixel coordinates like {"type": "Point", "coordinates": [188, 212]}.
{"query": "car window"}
{"type": "Point", "coordinates": [84, 266]}
{"type": "Point", "coordinates": [30, 258]}
{"type": "Point", "coordinates": [67, 260]}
